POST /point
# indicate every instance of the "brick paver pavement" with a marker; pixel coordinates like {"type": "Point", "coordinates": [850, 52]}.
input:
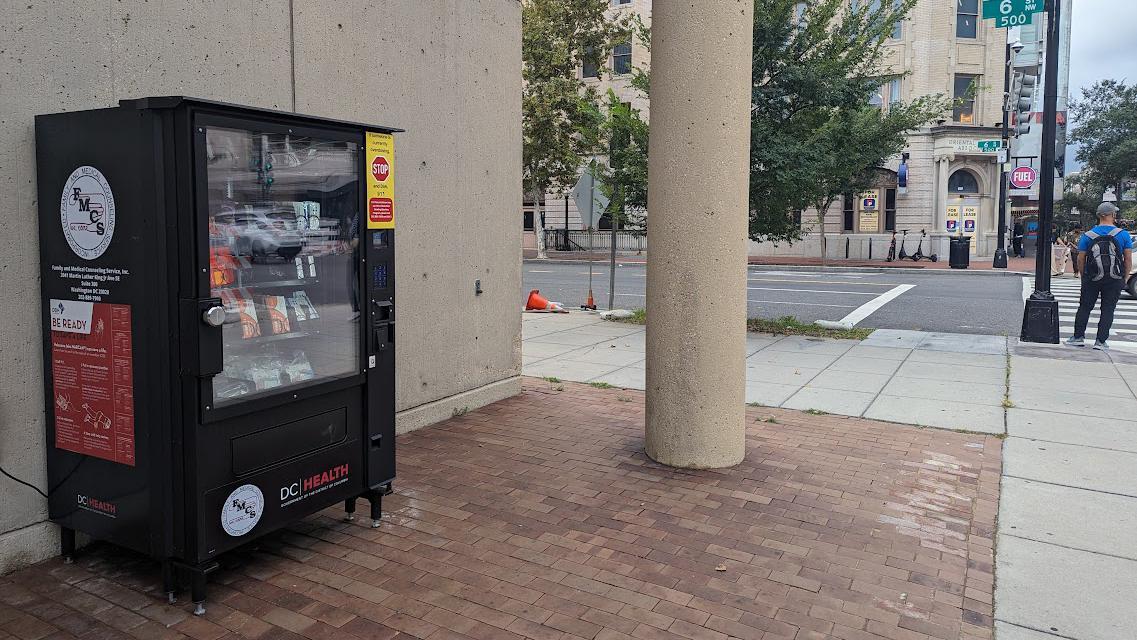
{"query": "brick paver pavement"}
{"type": "Point", "coordinates": [539, 517]}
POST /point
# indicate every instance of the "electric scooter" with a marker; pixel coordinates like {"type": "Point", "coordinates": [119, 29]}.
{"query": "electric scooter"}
{"type": "Point", "coordinates": [892, 249]}
{"type": "Point", "coordinates": [903, 241]}
{"type": "Point", "coordinates": [919, 255]}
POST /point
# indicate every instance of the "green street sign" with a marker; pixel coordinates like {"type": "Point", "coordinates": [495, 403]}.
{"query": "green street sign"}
{"type": "Point", "coordinates": [990, 146]}
{"type": "Point", "coordinates": [1014, 20]}
{"type": "Point", "coordinates": [1012, 13]}
{"type": "Point", "coordinates": [995, 8]}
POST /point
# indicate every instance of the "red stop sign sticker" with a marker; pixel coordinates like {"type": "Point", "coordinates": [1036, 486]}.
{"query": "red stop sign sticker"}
{"type": "Point", "coordinates": [381, 210]}
{"type": "Point", "coordinates": [1023, 177]}
{"type": "Point", "coordinates": [380, 168]}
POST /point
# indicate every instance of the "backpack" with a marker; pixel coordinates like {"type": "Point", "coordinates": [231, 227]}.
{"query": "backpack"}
{"type": "Point", "coordinates": [1103, 259]}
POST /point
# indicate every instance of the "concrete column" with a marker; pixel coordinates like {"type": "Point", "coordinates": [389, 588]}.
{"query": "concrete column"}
{"type": "Point", "coordinates": [940, 199]}
{"type": "Point", "coordinates": [697, 205]}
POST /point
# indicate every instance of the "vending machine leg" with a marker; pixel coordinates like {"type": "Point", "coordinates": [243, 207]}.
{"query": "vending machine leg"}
{"type": "Point", "coordinates": [169, 581]}
{"type": "Point", "coordinates": [67, 544]}
{"type": "Point", "coordinates": [349, 507]}
{"type": "Point", "coordinates": [376, 500]}
{"type": "Point", "coordinates": [197, 574]}
{"type": "Point", "coordinates": [197, 591]}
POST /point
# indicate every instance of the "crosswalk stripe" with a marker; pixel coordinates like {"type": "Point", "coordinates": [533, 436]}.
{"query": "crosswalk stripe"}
{"type": "Point", "coordinates": [1068, 293]}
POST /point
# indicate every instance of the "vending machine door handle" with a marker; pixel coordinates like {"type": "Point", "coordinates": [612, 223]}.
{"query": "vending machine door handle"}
{"type": "Point", "coordinates": [214, 316]}
{"type": "Point", "coordinates": [202, 351]}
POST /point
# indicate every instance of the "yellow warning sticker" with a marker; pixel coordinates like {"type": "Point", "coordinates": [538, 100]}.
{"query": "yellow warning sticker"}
{"type": "Point", "coordinates": [380, 149]}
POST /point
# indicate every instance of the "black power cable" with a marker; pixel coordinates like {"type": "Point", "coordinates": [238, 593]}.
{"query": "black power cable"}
{"type": "Point", "coordinates": [26, 484]}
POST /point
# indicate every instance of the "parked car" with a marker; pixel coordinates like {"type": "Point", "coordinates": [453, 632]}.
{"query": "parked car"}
{"type": "Point", "coordinates": [261, 233]}
{"type": "Point", "coordinates": [1132, 288]}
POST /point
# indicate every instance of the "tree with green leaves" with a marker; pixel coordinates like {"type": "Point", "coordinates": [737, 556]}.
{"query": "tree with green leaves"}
{"type": "Point", "coordinates": [815, 132]}
{"type": "Point", "coordinates": [1106, 134]}
{"type": "Point", "coordinates": [561, 119]}
{"type": "Point", "coordinates": [624, 179]}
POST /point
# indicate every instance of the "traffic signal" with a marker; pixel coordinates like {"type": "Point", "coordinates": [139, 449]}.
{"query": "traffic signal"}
{"type": "Point", "coordinates": [1022, 101]}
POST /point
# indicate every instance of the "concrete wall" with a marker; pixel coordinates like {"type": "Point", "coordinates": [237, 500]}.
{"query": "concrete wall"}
{"type": "Point", "coordinates": [448, 71]}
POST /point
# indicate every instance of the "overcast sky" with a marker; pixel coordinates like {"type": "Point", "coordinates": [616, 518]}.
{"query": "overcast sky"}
{"type": "Point", "coordinates": [1104, 43]}
{"type": "Point", "coordinates": [1103, 46]}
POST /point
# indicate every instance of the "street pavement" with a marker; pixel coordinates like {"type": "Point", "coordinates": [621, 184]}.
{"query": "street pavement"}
{"type": "Point", "coordinates": [1067, 542]}
{"type": "Point", "coordinates": [983, 303]}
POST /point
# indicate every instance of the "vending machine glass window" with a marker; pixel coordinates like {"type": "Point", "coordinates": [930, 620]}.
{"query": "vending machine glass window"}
{"type": "Point", "coordinates": [284, 259]}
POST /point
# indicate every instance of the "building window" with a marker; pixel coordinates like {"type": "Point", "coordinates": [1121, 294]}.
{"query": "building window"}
{"type": "Point", "coordinates": [890, 209]}
{"type": "Point", "coordinates": [617, 3]}
{"type": "Point", "coordinates": [622, 59]}
{"type": "Point", "coordinates": [898, 28]}
{"type": "Point", "coordinates": [965, 88]}
{"type": "Point", "coordinates": [894, 91]}
{"type": "Point", "coordinates": [874, 7]}
{"type": "Point", "coordinates": [591, 67]}
{"type": "Point", "coordinates": [528, 207]}
{"type": "Point", "coordinates": [797, 217]}
{"type": "Point", "coordinates": [967, 19]}
{"type": "Point", "coordinates": [963, 181]}
{"type": "Point", "coordinates": [876, 100]}
{"type": "Point", "coordinates": [847, 224]}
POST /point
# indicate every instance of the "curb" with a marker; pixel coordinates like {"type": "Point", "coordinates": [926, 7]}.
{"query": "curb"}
{"type": "Point", "coordinates": [799, 267]}
{"type": "Point", "coordinates": [605, 261]}
{"type": "Point", "coordinates": [808, 267]}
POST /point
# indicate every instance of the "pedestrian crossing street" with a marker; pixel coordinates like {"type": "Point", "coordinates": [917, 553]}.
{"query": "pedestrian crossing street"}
{"type": "Point", "coordinates": [1068, 290]}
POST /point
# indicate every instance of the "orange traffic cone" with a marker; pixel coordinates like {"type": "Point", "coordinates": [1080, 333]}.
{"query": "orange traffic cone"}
{"type": "Point", "coordinates": [591, 304]}
{"type": "Point", "coordinates": [537, 302]}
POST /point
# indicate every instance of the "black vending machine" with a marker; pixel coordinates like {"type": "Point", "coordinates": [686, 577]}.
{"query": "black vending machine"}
{"type": "Point", "coordinates": [219, 321]}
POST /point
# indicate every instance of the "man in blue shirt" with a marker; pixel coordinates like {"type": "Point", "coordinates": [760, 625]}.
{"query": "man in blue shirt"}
{"type": "Point", "coordinates": [1105, 260]}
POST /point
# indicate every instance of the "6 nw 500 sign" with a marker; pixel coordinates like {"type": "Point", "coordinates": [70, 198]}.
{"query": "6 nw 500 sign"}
{"type": "Point", "coordinates": [1011, 13]}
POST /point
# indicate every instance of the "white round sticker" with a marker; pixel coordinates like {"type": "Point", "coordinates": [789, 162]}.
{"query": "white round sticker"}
{"type": "Point", "coordinates": [86, 211]}
{"type": "Point", "coordinates": [242, 510]}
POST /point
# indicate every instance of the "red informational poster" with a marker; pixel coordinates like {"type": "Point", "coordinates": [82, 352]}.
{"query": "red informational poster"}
{"type": "Point", "coordinates": [93, 379]}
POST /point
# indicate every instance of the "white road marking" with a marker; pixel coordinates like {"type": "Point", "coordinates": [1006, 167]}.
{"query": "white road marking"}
{"type": "Point", "coordinates": [1028, 288]}
{"type": "Point", "coordinates": [799, 274]}
{"type": "Point", "coordinates": [805, 304]}
{"type": "Point", "coordinates": [847, 293]}
{"type": "Point", "coordinates": [874, 305]}
{"type": "Point", "coordinates": [538, 271]}
{"type": "Point", "coordinates": [854, 284]}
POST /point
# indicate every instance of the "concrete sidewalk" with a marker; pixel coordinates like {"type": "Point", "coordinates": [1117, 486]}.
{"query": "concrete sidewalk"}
{"type": "Point", "coordinates": [1067, 544]}
{"type": "Point", "coordinates": [896, 376]}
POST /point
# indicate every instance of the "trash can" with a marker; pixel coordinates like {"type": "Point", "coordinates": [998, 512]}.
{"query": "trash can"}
{"type": "Point", "coordinates": [959, 253]}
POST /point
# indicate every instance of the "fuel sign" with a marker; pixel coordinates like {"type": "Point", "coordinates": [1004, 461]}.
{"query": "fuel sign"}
{"type": "Point", "coordinates": [1023, 177]}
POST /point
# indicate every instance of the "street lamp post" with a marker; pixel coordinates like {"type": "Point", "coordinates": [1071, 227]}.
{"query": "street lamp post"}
{"type": "Point", "coordinates": [1040, 319]}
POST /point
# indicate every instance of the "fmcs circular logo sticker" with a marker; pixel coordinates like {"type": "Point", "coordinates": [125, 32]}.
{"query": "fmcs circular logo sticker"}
{"type": "Point", "coordinates": [87, 212]}
{"type": "Point", "coordinates": [242, 510]}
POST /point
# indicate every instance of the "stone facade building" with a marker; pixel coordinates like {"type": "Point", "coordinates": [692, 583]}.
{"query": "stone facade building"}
{"type": "Point", "coordinates": [953, 182]}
